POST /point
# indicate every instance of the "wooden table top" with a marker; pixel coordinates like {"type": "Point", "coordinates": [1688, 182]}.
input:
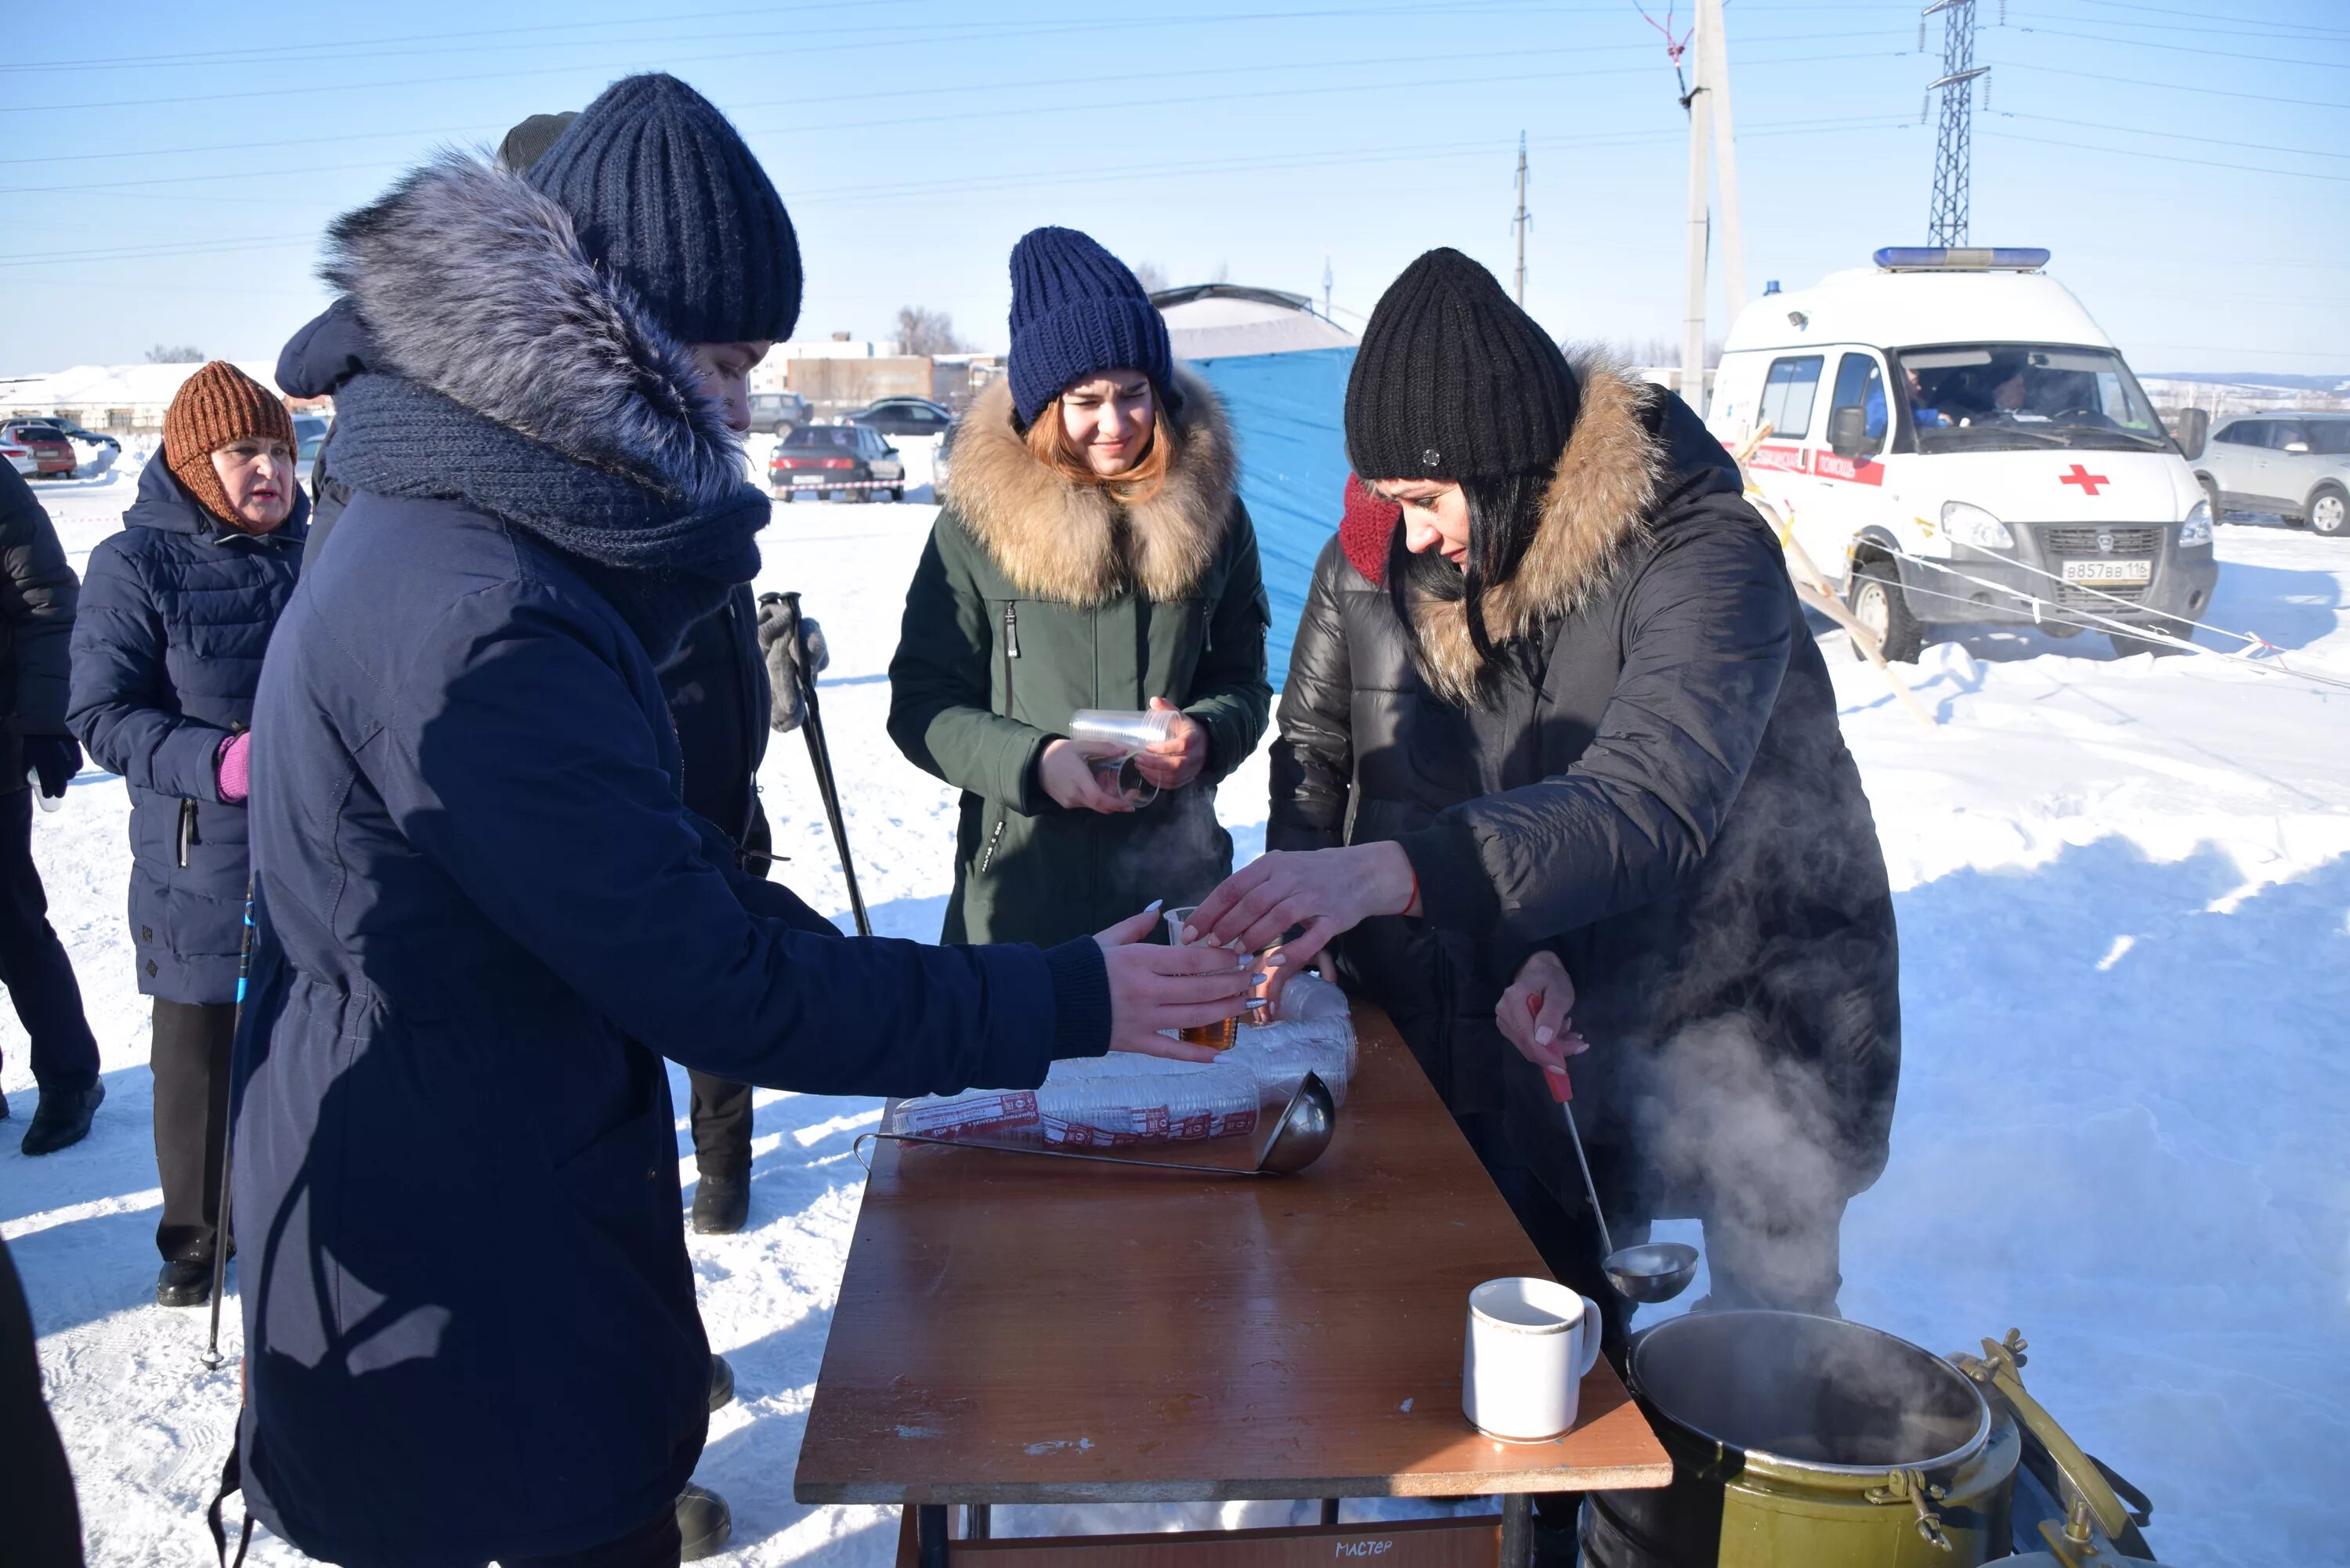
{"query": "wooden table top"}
{"type": "Point", "coordinates": [1011, 1329]}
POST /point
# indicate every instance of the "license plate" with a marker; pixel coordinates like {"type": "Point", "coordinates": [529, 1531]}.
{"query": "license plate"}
{"type": "Point", "coordinates": [808, 479]}
{"type": "Point", "coordinates": [2125, 574]}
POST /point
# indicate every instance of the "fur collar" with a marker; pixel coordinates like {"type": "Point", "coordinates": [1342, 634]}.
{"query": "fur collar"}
{"type": "Point", "coordinates": [1598, 503]}
{"type": "Point", "coordinates": [1064, 541]}
{"type": "Point", "coordinates": [472, 283]}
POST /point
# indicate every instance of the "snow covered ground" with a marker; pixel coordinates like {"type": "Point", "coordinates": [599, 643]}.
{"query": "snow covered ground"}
{"type": "Point", "coordinates": [2124, 904]}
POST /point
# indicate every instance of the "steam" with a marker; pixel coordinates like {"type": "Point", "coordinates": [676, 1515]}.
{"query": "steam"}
{"type": "Point", "coordinates": [1173, 848]}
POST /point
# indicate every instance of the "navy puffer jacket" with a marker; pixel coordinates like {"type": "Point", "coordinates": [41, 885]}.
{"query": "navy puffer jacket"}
{"type": "Point", "coordinates": [176, 612]}
{"type": "Point", "coordinates": [484, 915]}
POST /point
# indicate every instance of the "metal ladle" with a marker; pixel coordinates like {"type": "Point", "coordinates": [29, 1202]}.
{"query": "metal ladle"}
{"type": "Point", "coordinates": [1651, 1273]}
{"type": "Point", "coordinates": [1300, 1134]}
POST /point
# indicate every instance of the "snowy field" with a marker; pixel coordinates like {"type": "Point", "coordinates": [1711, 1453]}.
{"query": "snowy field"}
{"type": "Point", "coordinates": [2124, 905]}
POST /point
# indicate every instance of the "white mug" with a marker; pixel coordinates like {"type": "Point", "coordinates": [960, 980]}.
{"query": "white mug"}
{"type": "Point", "coordinates": [1530, 1343]}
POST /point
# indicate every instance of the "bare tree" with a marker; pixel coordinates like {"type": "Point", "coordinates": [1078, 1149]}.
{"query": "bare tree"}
{"type": "Point", "coordinates": [1151, 275]}
{"type": "Point", "coordinates": [175, 354]}
{"type": "Point", "coordinates": [923, 333]}
{"type": "Point", "coordinates": [1223, 274]}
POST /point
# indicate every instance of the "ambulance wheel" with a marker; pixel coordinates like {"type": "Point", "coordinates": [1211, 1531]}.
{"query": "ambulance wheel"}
{"type": "Point", "coordinates": [1877, 604]}
{"type": "Point", "coordinates": [2125, 645]}
{"type": "Point", "coordinates": [2329, 511]}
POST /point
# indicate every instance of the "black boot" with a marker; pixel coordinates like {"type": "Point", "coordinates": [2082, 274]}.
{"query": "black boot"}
{"type": "Point", "coordinates": [62, 1118]}
{"type": "Point", "coordinates": [721, 1205]}
{"type": "Point", "coordinates": [721, 1384]}
{"type": "Point", "coordinates": [704, 1523]}
{"type": "Point", "coordinates": [185, 1282]}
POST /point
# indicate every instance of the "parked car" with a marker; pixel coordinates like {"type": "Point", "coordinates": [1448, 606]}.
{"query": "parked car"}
{"type": "Point", "coordinates": [2297, 464]}
{"type": "Point", "coordinates": [905, 417]}
{"type": "Point", "coordinates": [53, 454]}
{"type": "Point", "coordinates": [18, 455]}
{"type": "Point", "coordinates": [819, 459]}
{"type": "Point", "coordinates": [779, 414]}
{"type": "Point", "coordinates": [309, 435]}
{"type": "Point", "coordinates": [942, 457]}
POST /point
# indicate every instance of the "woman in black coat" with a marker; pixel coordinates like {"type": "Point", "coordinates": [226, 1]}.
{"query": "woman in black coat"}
{"type": "Point", "coordinates": [1559, 763]}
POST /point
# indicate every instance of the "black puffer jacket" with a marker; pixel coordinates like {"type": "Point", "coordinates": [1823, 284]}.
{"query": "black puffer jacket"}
{"type": "Point", "coordinates": [1651, 783]}
{"type": "Point", "coordinates": [37, 594]}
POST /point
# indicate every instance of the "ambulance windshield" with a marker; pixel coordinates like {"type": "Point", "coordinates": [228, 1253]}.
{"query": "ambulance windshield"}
{"type": "Point", "coordinates": [2010, 397]}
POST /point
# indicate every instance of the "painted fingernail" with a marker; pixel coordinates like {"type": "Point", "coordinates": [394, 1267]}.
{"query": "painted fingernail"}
{"type": "Point", "coordinates": [1260, 977]}
{"type": "Point", "coordinates": [1191, 933]}
{"type": "Point", "coordinates": [1153, 908]}
{"type": "Point", "coordinates": [1542, 1036]}
{"type": "Point", "coordinates": [1253, 1002]}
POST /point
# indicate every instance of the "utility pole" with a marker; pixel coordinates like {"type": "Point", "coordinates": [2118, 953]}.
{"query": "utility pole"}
{"type": "Point", "coordinates": [1520, 222]}
{"type": "Point", "coordinates": [1725, 158]}
{"type": "Point", "coordinates": [1326, 281]}
{"type": "Point", "coordinates": [1946, 224]}
{"type": "Point", "coordinates": [1699, 104]}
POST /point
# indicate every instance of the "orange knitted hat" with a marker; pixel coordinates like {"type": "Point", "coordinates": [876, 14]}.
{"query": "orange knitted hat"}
{"type": "Point", "coordinates": [217, 405]}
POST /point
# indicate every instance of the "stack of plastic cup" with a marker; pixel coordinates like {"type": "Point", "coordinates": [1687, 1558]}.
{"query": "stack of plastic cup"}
{"type": "Point", "coordinates": [1098, 730]}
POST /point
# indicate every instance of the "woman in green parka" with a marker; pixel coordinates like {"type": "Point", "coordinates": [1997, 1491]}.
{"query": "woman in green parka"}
{"type": "Point", "coordinates": [1093, 552]}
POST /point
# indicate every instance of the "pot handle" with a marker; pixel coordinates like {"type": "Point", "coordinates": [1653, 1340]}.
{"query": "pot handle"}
{"type": "Point", "coordinates": [1912, 1487]}
{"type": "Point", "coordinates": [1998, 1371]}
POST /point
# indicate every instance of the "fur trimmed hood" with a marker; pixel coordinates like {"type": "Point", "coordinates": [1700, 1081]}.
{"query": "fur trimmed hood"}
{"type": "Point", "coordinates": [1063, 541]}
{"type": "Point", "coordinates": [472, 283]}
{"type": "Point", "coordinates": [1599, 501]}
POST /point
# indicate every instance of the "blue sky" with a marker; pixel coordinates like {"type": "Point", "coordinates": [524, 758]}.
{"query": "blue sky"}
{"type": "Point", "coordinates": [167, 171]}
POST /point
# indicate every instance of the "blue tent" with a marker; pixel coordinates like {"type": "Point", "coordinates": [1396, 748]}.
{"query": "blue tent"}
{"type": "Point", "coordinates": [1287, 410]}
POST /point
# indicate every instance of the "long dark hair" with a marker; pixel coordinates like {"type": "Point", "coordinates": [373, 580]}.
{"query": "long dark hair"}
{"type": "Point", "coordinates": [1502, 516]}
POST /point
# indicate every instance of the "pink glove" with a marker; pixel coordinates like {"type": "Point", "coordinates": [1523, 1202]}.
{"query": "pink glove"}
{"type": "Point", "coordinates": [233, 768]}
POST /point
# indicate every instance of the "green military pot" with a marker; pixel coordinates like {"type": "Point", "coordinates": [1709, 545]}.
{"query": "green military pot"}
{"type": "Point", "coordinates": [1807, 1442]}
{"type": "Point", "coordinates": [1040, 593]}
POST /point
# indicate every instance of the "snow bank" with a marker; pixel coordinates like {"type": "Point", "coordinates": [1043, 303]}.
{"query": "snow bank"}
{"type": "Point", "coordinates": [2125, 902]}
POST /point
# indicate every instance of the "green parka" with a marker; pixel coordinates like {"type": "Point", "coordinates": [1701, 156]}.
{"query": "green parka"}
{"type": "Point", "coordinates": [1036, 597]}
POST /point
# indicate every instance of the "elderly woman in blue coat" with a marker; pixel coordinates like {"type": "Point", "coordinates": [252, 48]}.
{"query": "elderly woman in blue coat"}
{"type": "Point", "coordinates": [485, 913]}
{"type": "Point", "coordinates": [176, 612]}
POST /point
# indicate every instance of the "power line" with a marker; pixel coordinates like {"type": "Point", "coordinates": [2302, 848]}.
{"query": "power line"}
{"type": "Point", "coordinates": [2167, 156]}
{"type": "Point", "coordinates": [2175, 86]}
{"type": "Point", "coordinates": [864, 192]}
{"type": "Point", "coordinates": [971, 32]}
{"type": "Point", "coordinates": [2173, 135]}
{"type": "Point", "coordinates": [2196, 50]}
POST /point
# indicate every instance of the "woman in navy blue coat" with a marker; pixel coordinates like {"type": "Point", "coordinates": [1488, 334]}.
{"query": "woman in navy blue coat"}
{"type": "Point", "coordinates": [485, 913]}
{"type": "Point", "coordinates": [176, 612]}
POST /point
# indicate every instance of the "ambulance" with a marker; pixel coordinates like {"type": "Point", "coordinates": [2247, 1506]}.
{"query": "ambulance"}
{"type": "Point", "coordinates": [1953, 440]}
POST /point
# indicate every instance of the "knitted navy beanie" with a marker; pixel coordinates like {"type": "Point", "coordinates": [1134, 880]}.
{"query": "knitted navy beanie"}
{"type": "Point", "coordinates": [664, 192]}
{"type": "Point", "coordinates": [1453, 381]}
{"type": "Point", "coordinates": [1078, 310]}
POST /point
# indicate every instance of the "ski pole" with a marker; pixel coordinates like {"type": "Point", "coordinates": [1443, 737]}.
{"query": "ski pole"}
{"type": "Point", "coordinates": [820, 758]}
{"type": "Point", "coordinates": [223, 1234]}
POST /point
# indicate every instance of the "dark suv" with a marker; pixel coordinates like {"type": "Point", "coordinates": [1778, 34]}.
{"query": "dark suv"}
{"type": "Point", "coordinates": [905, 416]}
{"type": "Point", "coordinates": [818, 460]}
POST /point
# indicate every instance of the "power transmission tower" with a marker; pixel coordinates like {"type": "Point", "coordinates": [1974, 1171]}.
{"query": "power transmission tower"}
{"type": "Point", "coordinates": [1521, 220]}
{"type": "Point", "coordinates": [1327, 279]}
{"type": "Point", "coordinates": [1953, 143]}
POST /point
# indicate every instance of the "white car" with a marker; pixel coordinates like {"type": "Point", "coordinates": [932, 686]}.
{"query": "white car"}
{"type": "Point", "coordinates": [2297, 465]}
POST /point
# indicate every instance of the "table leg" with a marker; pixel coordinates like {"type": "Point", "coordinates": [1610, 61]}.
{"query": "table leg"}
{"type": "Point", "coordinates": [1329, 1511]}
{"type": "Point", "coordinates": [1517, 1530]}
{"type": "Point", "coordinates": [931, 1535]}
{"type": "Point", "coordinates": [977, 1522]}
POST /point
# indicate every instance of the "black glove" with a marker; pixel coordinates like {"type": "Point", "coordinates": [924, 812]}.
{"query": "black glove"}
{"type": "Point", "coordinates": [55, 759]}
{"type": "Point", "coordinates": [786, 710]}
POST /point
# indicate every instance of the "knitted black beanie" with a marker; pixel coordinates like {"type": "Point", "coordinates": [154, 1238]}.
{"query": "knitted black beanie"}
{"type": "Point", "coordinates": [1454, 381]}
{"type": "Point", "coordinates": [665, 193]}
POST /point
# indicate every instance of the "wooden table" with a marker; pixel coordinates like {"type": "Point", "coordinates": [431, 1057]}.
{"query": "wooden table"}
{"type": "Point", "coordinates": [1015, 1330]}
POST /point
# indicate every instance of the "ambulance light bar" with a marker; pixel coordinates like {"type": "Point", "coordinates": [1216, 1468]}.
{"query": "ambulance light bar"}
{"type": "Point", "coordinates": [1960, 258]}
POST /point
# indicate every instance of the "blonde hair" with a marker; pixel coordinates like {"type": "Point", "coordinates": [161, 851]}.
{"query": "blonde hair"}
{"type": "Point", "coordinates": [1049, 442]}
